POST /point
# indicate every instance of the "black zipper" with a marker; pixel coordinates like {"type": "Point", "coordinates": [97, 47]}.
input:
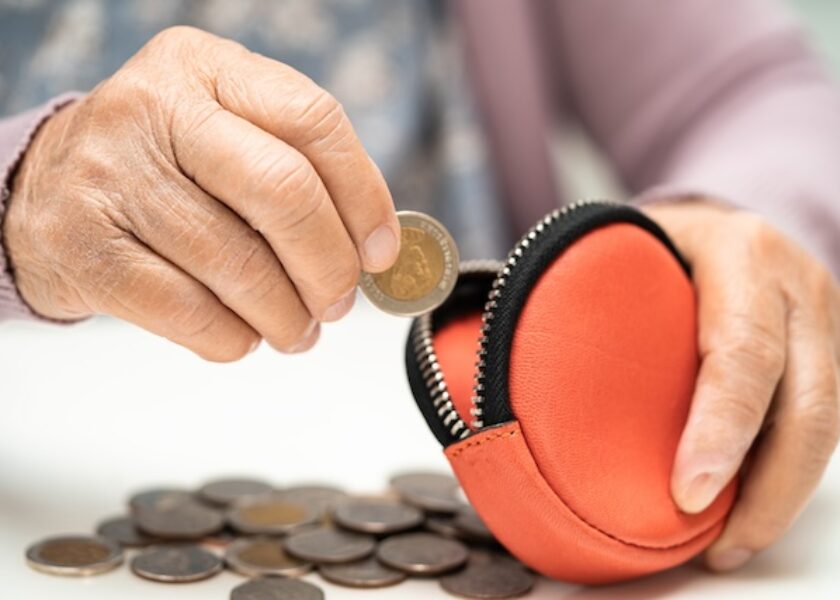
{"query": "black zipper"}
{"type": "Point", "coordinates": [425, 377]}
{"type": "Point", "coordinates": [504, 297]}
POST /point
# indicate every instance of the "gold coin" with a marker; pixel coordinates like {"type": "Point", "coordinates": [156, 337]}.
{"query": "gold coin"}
{"type": "Point", "coordinates": [270, 515]}
{"type": "Point", "coordinates": [425, 271]}
{"type": "Point", "coordinates": [263, 556]}
{"type": "Point", "coordinates": [74, 555]}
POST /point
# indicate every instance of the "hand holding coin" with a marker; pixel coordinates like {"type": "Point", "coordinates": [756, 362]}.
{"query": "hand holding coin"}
{"type": "Point", "coordinates": [425, 271]}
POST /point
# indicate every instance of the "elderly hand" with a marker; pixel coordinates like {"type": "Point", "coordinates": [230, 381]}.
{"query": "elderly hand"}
{"type": "Point", "coordinates": [205, 193]}
{"type": "Point", "coordinates": [767, 391]}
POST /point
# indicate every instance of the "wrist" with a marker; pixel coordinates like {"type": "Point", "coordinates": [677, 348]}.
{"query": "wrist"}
{"type": "Point", "coordinates": [24, 225]}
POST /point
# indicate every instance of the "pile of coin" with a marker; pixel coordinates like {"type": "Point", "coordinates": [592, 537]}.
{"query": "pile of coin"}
{"type": "Point", "coordinates": [420, 527]}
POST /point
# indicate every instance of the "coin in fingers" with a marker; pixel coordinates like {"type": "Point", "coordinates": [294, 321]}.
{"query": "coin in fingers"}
{"type": "Point", "coordinates": [424, 273]}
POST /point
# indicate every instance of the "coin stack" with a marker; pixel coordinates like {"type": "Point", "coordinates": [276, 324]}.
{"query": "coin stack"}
{"type": "Point", "coordinates": [418, 528]}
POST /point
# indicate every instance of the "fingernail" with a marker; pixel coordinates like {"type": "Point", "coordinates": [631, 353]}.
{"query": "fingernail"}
{"type": "Point", "coordinates": [729, 559]}
{"type": "Point", "coordinates": [700, 492]}
{"type": "Point", "coordinates": [340, 308]}
{"type": "Point", "coordinates": [310, 336]}
{"type": "Point", "coordinates": [380, 248]}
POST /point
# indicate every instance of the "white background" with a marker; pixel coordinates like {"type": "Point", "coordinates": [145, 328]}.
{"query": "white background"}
{"type": "Point", "coordinates": [92, 412]}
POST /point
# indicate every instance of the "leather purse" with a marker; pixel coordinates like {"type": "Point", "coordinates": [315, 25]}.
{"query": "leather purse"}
{"type": "Point", "coordinates": [559, 382]}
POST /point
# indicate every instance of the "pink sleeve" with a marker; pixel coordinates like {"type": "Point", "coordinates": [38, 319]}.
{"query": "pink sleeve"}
{"type": "Point", "coordinates": [15, 135]}
{"type": "Point", "coordinates": [719, 98]}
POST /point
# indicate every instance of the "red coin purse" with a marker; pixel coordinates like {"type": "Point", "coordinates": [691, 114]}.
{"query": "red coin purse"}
{"type": "Point", "coordinates": [559, 383]}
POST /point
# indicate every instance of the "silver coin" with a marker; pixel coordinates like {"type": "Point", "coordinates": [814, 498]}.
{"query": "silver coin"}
{"type": "Point", "coordinates": [422, 553]}
{"type": "Point", "coordinates": [494, 578]}
{"type": "Point", "coordinates": [74, 555]}
{"type": "Point", "coordinates": [159, 499]}
{"type": "Point", "coordinates": [190, 521]}
{"type": "Point", "coordinates": [424, 273]}
{"type": "Point", "coordinates": [317, 496]}
{"type": "Point", "coordinates": [255, 557]}
{"type": "Point", "coordinates": [434, 492]}
{"type": "Point", "coordinates": [270, 515]}
{"type": "Point", "coordinates": [367, 573]}
{"type": "Point", "coordinates": [376, 515]}
{"type": "Point", "coordinates": [176, 563]}
{"type": "Point", "coordinates": [443, 525]}
{"type": "Point", "coordinates": [276, 588]}
{"type": "Point", "coordinates": [224, 492]}
{"type": "Point", "coordinates": [328, 545]}
{"type": "Point", "coordinates": [482, 555]}
{"type": "Point", "coordinates": [124, 532]}
{"type": "Point", "coordinates": [471, 527]}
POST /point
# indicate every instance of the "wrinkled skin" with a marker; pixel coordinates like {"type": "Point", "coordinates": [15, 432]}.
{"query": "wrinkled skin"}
{"type": "Point", "coordinates": [205, 193]}
{"type": "Point", "coordinates": [216, 197]}
{"type": "Point", "coordinates": [769, 325]}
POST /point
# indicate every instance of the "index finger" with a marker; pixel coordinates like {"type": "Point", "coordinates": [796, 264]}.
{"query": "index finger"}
{"type": "Point", "coordinates": [290, 106]}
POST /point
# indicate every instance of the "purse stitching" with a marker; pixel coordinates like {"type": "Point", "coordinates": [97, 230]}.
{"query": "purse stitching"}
{"type": "Point", "coordinates": [512, 433]}
{"type": "Point", "coordinates": [484, 440]}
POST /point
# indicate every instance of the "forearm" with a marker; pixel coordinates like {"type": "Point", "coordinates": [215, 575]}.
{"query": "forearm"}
{"type": "Point", "coordinates": [731, 102]}
{"type": "Point", "coordinates": [773, 148]}
{"type": "Point", "coordinates": [16, 133]}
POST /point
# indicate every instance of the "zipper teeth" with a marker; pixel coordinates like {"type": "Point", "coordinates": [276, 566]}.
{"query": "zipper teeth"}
{"type": "Point", "coordinates": [496, 289]}
{"type": "Point", "coordinates": [424, 351]}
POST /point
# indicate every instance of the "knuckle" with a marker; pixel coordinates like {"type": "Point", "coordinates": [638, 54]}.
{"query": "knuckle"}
{"type": "Point", "coordinates": [252, 268]}
{"type": "Point", "coordinates": [191, 318]}
{"type": "Point", "coordinates": [746, 413]}
{"type": "Point", "coordinates": [325, 120]}
{"type": "Point", "coordinates": [280, 174]}
{"type": "Point", "coordinates": [755, 347]}
{"type": "Point", "coordinates": [341, 277]}
{"type": "Point", "coordinates": [298, 193]}
{"type": "Point", "coordinates": [176, 36]}
{"type": "Point", "coordinates": [193, 322]}
{"type": "Point", "coordinates": [818, 423]}
{"type": "Point", "coordinates": [132, 81]}
{"type": "Point", "coordinates": [191, 127]}
{"type": "Point", "coordinates": [762, 238]}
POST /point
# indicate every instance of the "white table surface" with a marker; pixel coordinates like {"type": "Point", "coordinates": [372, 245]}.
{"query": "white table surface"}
{"type": "Point", "coordinates": [91, 412]}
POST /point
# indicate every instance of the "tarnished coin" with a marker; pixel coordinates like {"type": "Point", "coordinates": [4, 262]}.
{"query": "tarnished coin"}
{"type": "Point", "coordinates": [270, 515]}
{"type": "Point", "coordinates": [443, 525]}
{"type": "Point", "coordinates": [256, 557]}
{"type": "Point", "coordinates": [376, 515]}
{"type": "Point", "coordinates": [472, 528]}
{"type": "Point", "coordinates": [422, 553]}
{"type": "Point", "coordinates": [176, 563]}
{"type": "Point", "coordinates": [489, 555]}
{"type": "Point", "coordinates": [124, 532]}
{"type": "Point", "coordinates": [367, 573]}
{"type": "Point", "coordinates": [224, 492]}
{"type": "Point", "coordinates": [189, 521]}
{"type": "Point", "coordinates": [328, 545]}
{"type": "Point", "coordinates": [496, 578]}
{"type": "Point", "coordinates": [74, 555]}
{"type": "Point", "coordinates": [320, 497]}
{"type": "Point", "coordinates": [159, 499]}
{"type": "Point", "coordinates": [434, 492]}
{"type": "Point", "coordinates": [424, 273]}
{"type": "Point", "coordinates": [276, 588]}
{"type": "Point", "coordinates": [220, 540]}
